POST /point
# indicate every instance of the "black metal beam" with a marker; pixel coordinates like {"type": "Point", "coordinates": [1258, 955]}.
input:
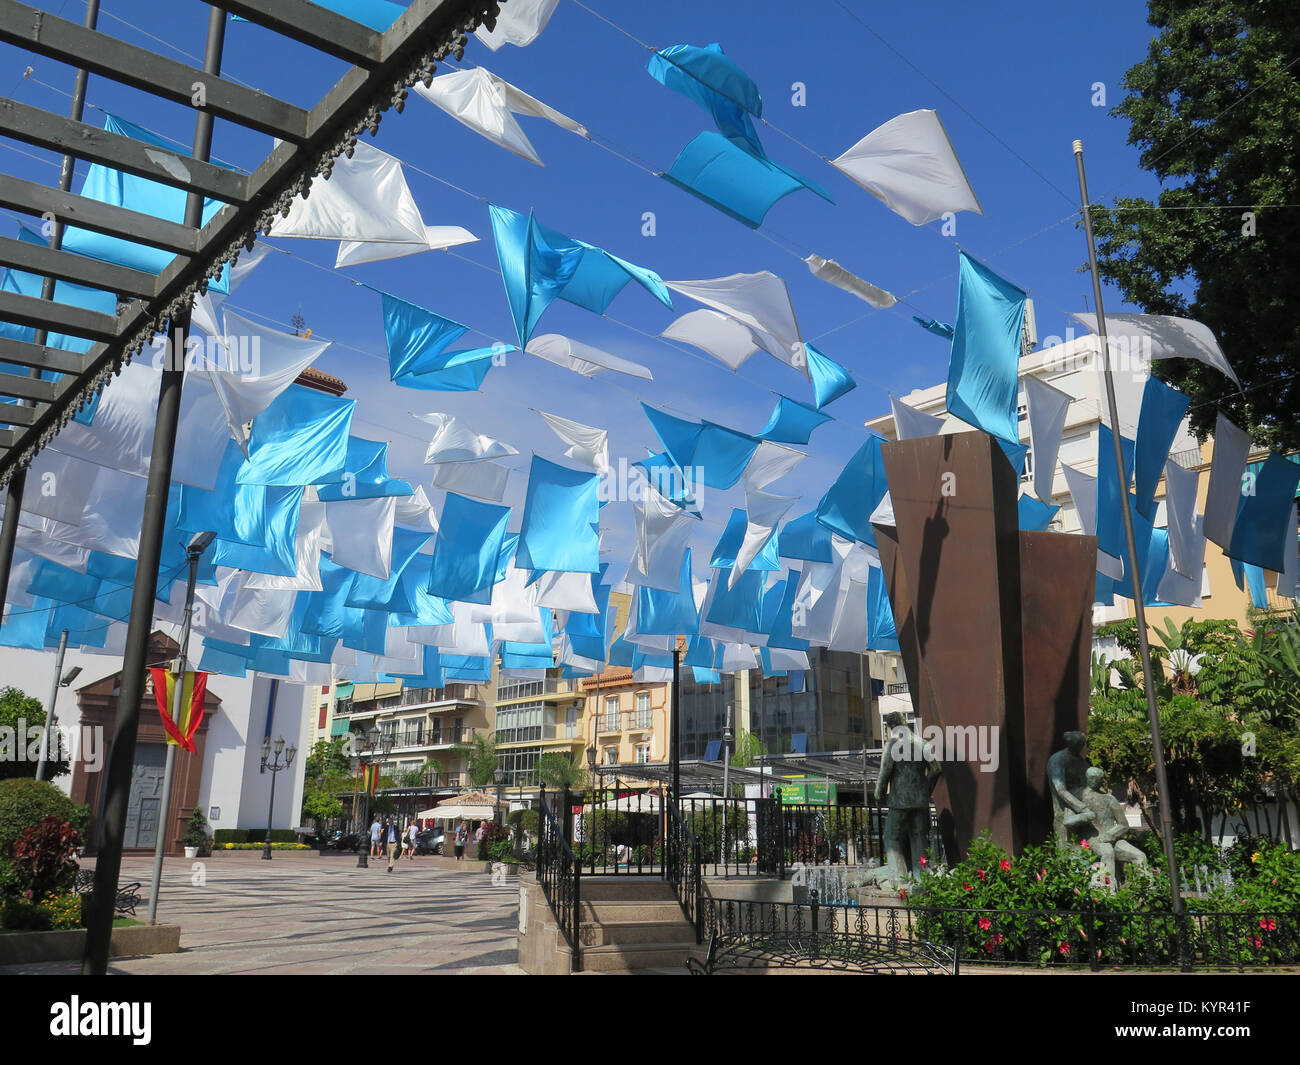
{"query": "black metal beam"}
{"type": "Point", "coordinates": [313, 25]}
{"type": "Point", "coordinates": [34, 126]}
{"type": "Point", "coordinates": [33, 388]}
{"type": "Point", "coordinates": [425, 28]}
{"type": "Point", "coordinates": [67, 266]}
{"type": "Point", "coordinates": [30, 197]}
{"type": "Point", "coordinates": [57, 317]}
{"type": "Point", "coordinates": [38, 31]}
{"type": "Point", "coordinates": [40, 357]}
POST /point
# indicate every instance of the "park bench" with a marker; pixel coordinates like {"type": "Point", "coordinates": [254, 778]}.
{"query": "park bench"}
{"type": "Point", "coordinates": [128, 895]}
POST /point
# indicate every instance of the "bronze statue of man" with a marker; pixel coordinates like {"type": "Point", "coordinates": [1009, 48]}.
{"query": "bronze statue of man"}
{"type": "Point", "coordinates": [909, 768]}
{"type": "Point", "coordinates": [1065, 778]}
{"type": "Point", "coordinates": [1105, 817]}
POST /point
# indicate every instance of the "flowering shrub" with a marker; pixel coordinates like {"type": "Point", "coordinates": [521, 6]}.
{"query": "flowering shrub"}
{"type": "Point", "coordinates": [1080, 919]}
{"type": "Point", "coordinates": [43, 861]}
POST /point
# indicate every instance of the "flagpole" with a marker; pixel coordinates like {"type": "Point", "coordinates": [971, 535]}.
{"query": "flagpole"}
{"type": "Point", "coordinates": [1133, 566]}
{"type": "Point", "coordinates": [193, 552]}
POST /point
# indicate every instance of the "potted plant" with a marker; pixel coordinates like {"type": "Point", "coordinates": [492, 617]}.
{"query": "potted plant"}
{"type": "Point", "coordinates": [196, 834]}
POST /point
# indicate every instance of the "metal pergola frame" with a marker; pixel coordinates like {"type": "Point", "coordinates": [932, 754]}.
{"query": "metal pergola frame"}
{"type": "Point", "coordinates": [382, 66]}
{"type": "Point", "coordinates": [850, 768]}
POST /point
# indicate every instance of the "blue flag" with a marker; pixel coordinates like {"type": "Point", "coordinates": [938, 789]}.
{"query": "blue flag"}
{"type": "Point", "coordinates": [1163, 409]}
{"type": "Point", "coordinates": [848, 505]}
{"type": "Point", "coordinates": [561, 519]}
{"type": "Point", "coordinates": [983, 365]}
{"type": "Point", "coordinates": [465, 556]}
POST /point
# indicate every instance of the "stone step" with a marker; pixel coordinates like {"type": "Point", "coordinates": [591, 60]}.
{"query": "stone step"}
{"type": "Point", "coordinates": [626, 911]}
{"type": "Point", "coordinates": [625, 889]}
{"type": "Point", "coordinates": [597, 933]}
{"type": "Point", "coordinates": [620, 957]}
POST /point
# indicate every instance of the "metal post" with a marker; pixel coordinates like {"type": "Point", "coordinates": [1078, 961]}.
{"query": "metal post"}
{"type": "Point", "coordinates": [169, 769]}
{"type": "Point", "coordinates": [726, 785]}
{"type": "Point", "coordinates": [270, 812]}
{"type": "Point", "coordinates": [675, 724]}
{"type": "Point", "coordinates": [49, 707]}
{"type": "Point", "coordinates": [18, 482]}
{"type": "Point", "coordinates": [121, 757]}
{"type": "Point", "coordinates": [1134, 569]}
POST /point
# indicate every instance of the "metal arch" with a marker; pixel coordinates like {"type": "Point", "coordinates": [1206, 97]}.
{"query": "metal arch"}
{"type": "Point", "coordinates": [384, 66]}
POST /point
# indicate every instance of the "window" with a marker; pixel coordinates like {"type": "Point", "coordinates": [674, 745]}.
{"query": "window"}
{"type": "Point", "coordinates": [642, 709]}
{"type": "Point", "coordinates": [1028, 472]}
{"type": "Point", "coordinates": [611, 713]}
{"type": "Point", "coordinates": [519, 765]}
{"type": "Point", "coordinates": [570, 722]}
{"type": "Point", "coordinates": [324, 714]}
{"type": "Point", "coordinates": [519, 689]}
{"type": "Point", "coordinates": [642, 754]}
{"type": "Point", "coordinates": [522, 722]}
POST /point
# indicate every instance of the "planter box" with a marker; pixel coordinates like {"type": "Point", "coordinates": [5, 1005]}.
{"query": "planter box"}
{"type": "Point", "coordinates": [22, 948]}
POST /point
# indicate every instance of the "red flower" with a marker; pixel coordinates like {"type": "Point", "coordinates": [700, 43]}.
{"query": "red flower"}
{"type": "Point", "coordinates": [924, 863]}
{"type": "Point", "coordinates": [968, 887]}
{"type": "Point", "coordinates": [980, 874]}
{"type": "Point", "coordinates": [1005, 864]}
{"type": "Point", "coordinates": [1064, 948]}
{"type": "Point", "coordinates": [902, 894]}
{"type": "Point", "coordinates": [1268, 924]}
{"type": "Point", "coordinates": [1084, 845]}
{"type": "Point", "coordinates": [985, 924]}
{"type": "Point", "coordinates": [1257, 942]}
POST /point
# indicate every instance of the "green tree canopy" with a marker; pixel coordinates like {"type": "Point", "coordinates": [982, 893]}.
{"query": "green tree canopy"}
{"type": "Point", "coordinates": [18, 710]}
{"type": "Point", "coordinates": [1215, 109]}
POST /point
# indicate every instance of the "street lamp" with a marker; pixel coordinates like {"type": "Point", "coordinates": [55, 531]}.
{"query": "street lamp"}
{"type": "Point", "coordinates": [193, 552]}
{"type": "Point", "coordinates": [500, 776]}
{"type": "Point", "coordinates": [591, 765]}
{"type": "Point", "coordinates": [371, 743]}
{"type": "Point", "coordinates": [273, 765]}
{"type": "Point", "coordinates": [59, 682]}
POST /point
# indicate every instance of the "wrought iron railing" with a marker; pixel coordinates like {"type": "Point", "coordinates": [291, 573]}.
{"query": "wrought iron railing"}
{"type": "Point", "coordinates": [1095, 939]}
{"type": "Point", "coordinates": [619, 832]}
{"type": "Point", "coordinates": [764, 837]}
{"type": "Point", "coordinates": [682, 867]}
{"type": "Point", "coordinates": [560, 875]}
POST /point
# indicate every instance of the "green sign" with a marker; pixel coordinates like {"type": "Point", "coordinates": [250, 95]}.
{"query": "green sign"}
{"type": "Point", "coordinates": [803, 792]}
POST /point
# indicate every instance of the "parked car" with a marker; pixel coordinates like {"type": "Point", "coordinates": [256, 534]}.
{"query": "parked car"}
{"type": "Point", "coordinates": [429, 841]}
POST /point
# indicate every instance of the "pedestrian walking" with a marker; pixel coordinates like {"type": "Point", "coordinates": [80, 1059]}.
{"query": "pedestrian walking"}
{"type": "Point", "coordinates": [408, 842]}
{"type": "Point", "coordinates": [375, 829]}
{"type": "Point", "coordinates": [462, 837]}
{"type": "Point", "coordinates": [392, 839]}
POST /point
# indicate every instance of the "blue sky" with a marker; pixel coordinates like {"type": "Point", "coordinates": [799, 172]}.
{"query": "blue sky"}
{"type": "Point", "coordinates": [1023, 82]}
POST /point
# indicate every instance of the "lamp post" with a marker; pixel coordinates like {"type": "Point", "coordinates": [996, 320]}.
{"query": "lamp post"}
{"type": "Point", "coordinates": [273, 765]}
{"type": "Point", "coordinates": [499, 775]}
{"type": "Point", "coordinates": [371, 743]}
{"type": "Point", "coordinates": [193, 552]}
{"type": "Point", "coordinates": [61, 680]}
{"type": "Point", "coordinates": [726, 780]}
{"type": "Point", "coordinates": [591, 766]}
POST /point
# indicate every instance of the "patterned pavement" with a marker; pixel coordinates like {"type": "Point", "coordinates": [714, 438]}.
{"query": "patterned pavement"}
{"type": "Point", "coordinates": [303, 914]}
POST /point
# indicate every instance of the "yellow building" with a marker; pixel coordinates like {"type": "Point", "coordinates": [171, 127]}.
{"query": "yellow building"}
{"type": "Point", "coordinates": [426, 726]}
{"type": "Point", "coordinates": [627, 720]}
{"type": "Point", "coordinates": [533, 717]}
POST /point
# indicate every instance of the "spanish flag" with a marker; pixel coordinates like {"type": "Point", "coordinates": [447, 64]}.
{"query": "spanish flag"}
{"type": "Point", "coordinates": [180, 733]}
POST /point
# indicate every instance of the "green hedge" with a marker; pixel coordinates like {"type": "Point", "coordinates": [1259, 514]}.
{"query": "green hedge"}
{"type": "Point", "coordinates": [222, 836]}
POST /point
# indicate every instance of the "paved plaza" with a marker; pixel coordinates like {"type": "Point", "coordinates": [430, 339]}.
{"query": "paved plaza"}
{"type": "Point", "coordinates": [303, 914]}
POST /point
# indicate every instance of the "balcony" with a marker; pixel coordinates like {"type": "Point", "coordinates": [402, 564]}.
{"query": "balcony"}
{"type": "Point", "coordinates": [625, 721]}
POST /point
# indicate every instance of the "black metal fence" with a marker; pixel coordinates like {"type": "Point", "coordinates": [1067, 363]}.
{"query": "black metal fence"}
{"type": "Point", "coordinates": [620, 832]}
{"type": "Point", "coordinates": [683, 869]}
{"type": "Point", "coordinates": [559, 872]}
{"type": "Point", "coordinates": [1074, 939]}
